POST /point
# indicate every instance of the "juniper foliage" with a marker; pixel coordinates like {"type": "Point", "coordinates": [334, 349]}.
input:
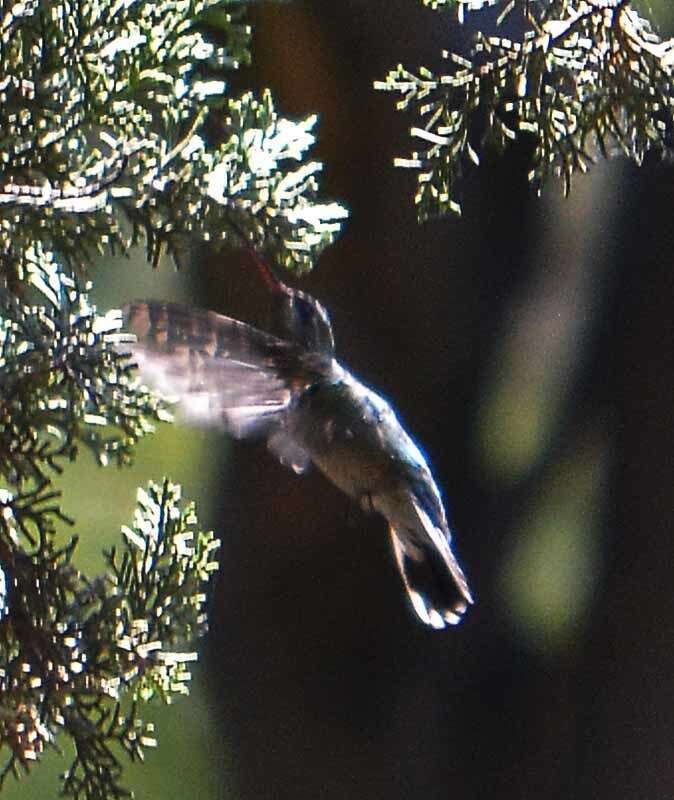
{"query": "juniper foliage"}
{"type": "Point", "coordinates": [103, 142]}
{"type": "Point", "coordinates": [80, 655]}
{"type": "Point", "coordinates": [585, 79]}
{"type": "Point", "coordinates": [117, 128]}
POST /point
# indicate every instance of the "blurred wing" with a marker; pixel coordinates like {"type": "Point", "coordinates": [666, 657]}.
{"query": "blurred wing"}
{"type": "Point", "coordinates": [220, 371]}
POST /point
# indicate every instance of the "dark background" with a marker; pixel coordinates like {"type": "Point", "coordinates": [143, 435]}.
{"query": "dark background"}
{"type": "Point", "coordinates": [527, 346]}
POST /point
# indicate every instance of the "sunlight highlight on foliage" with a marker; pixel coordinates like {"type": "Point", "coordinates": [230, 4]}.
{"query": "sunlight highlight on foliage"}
{"type": "Point", "coordinates": [116, 128]}
{"type": "Point", "coordinates": [62, 383]}
{"type": "Point", "coordinates": [78, 654]}
{"type": "Point", "coordinates": [588, 79]}
{"type": "Point", "coordinates": [103, 138]}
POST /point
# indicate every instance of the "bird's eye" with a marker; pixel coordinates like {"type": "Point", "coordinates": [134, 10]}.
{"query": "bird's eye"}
{"type": "Point", "coordinates": [311, 390]}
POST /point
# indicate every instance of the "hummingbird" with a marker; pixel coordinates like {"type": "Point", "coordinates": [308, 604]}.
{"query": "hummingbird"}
{"type": "Point", "coordinates": [290, 389]}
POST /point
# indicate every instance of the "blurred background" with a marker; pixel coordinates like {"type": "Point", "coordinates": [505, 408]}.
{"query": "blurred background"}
{"type": "Point", "coordinates": [528, 347]}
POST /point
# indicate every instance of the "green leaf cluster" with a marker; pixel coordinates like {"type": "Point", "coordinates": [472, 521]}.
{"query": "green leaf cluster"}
{"type": "Point", "coordinates": [79, 656]}
{"type": "Point", "coordinates": [104, 140]}
{"type": "Point", "coordinates": [117, 128]}
{"type": "Point", "coordinates": [587, 79]}
{"type": "Point", "coordinates": [64, 379]}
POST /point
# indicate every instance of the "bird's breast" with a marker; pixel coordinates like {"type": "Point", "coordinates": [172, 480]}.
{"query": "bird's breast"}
{"type": "Point", "coordinates": [343, 426]}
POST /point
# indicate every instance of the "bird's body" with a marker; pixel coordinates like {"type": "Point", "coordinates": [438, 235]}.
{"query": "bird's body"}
{"type": "Point", "coordinates": [311, 409]}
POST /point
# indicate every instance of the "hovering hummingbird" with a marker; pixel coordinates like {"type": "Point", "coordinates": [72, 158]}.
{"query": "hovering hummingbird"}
{"type": "Point", "coordinates": [291, 390]}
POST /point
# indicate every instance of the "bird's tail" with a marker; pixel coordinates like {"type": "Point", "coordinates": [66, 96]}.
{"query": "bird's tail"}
{"type": "Point", "coordinates": [435, 582]}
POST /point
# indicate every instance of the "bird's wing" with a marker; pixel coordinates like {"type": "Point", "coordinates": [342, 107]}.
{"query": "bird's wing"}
{"type": "Point", "coordinates": [219, 371]}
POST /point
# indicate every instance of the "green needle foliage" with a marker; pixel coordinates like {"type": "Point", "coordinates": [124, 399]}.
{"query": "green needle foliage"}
{"type": "Point", "coordinates": [116, 129]}
{"type": "Point", "coordinates": [586, 79]}
{"type": "Point", "coordinates": [103, 142]}
{"type": "Point", "coordinates": [79, 655]}
{"type": "Point", "coordinates": [63, 384]}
